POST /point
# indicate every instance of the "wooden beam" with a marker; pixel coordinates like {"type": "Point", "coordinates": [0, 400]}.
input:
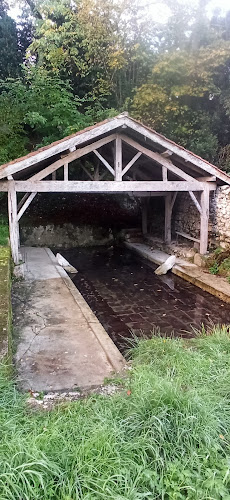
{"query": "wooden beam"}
{"type": "Point", "coordinates": [54, 175]}
{"type": "Point", "coordinates": [131, 162]}
{"type": "Point", "coordinates": [195, 201]}
{"type": "Point", "coordinates": [210, 178]}
{"type": "Point", "coordinates": [168, 219]}
{"type": "Point", "coordinates": [154, 137]}
{"type": "Point", "coordinates": [104, 186]}
{"type": "Point", "coordinates": [13, 222]}
{"type": "Point", "coordinates": [71, 157]}
{"type": "Point", "coordinates": [166, 154]}
{"type": "Point", "coordinates": [164, 173]}
{"type": "Point", "coordinates": [66, 172]}
{"type": "Point", "coordinates": [26, 204]}
{"type": "Point", "coordinates": [158, 158]}
{"type": "Point", "coordinates": [104, 161]}
{"type": "Point", "coordinates": [22, 201]}
{"type": "Point", "coordinates": [204, 221]}
{"type": "Point", "coordinates": [118, 159]}
{"type": "Point", "coordinates": [173, 200]}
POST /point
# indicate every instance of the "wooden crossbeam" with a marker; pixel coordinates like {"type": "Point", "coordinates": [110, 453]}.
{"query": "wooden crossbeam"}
{"type": "Point", "coordinates": [131, 162]}
{"type": "Point", "coordinates": [71, 157]}
{"type": "Point", "coordinates": [158, 158]}
{"type": "Point", "coordinates": [25, 205]}
{"type": "Point", "coordinates": [103, 186]}
{"type": "Point", "coordinates": [195, 201]}
{"type": "Point", "coordinates": [104, 161]}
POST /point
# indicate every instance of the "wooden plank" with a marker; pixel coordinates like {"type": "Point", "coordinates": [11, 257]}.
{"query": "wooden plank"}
{"type": "Point", "coordinates": [131, 162]}
{"type": "Point", "coordinates": [168, 219]}
{"type": "Point", "coordinates": [25, 205]}
{"type": "Point", "coordinates": [104, 161]}
{"type": "Point", "coordinates": [13, 222]}
{"type": "Point", "coordinates": [118, 159]}
{"type": "Point", "coordinates": [158, 158]}
{"type": "Point", "coordinates": [104, 186]}
{"type": "Point", "coordinates": [57, 148]}
{"type": "Point", "coordinates": [71, 157]}
{"type": "Point", "coordinates": [4, 185]}
{"type": "Point", "coordinates": [195, 201]}
{"type": "Point", "coordinates": [204, 221]}
{"type": "Point", "coordinates": [187, 236]}
{"type": "Point", "coordinates": [54, 175]}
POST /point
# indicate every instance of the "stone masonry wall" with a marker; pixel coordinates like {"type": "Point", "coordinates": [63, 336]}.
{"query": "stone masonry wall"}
{"type": "Point", "coordinates": [186, 218]}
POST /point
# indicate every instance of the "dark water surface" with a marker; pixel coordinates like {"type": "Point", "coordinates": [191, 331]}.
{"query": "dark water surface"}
{"type": "Point", "coordinates": [126, 295]}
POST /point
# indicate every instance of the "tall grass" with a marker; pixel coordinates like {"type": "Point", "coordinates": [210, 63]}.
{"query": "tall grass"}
{"type": "Point", "coordinates": [165, 436]}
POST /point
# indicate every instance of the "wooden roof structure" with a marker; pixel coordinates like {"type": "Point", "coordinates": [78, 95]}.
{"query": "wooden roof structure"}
{"type": "Point", "coordinates": [118, 155]}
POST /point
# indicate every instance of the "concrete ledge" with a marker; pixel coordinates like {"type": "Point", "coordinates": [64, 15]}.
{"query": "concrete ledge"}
{"type": "Point", "coordinates": [215, 285]}
{"type": "Point", "coordinates": [111, 351]}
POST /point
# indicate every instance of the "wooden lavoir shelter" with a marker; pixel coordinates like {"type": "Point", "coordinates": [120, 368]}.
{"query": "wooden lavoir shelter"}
{"type": "Point", "coordinates": [118, 155]}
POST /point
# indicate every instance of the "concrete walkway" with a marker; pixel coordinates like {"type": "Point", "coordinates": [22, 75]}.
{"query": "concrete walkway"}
{"type": "Point", "coordinates": [60, 343]}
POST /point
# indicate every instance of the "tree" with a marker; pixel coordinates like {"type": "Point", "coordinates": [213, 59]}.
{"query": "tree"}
{"type": "Point", "coordinates": [9, 53]}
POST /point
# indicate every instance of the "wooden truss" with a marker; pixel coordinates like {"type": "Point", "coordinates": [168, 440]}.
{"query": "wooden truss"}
{"type": "Point", "coordinates": [46, 181]}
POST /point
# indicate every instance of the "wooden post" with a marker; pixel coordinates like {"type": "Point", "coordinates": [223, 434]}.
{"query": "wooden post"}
{"type": "Point", "coordinates": [144, 216]}
{"type": "Point", "coordinates": [13, 222]}
{"type": "Point", "coordinates": [66, 172]}
{"type": "Point", "coordinates": [118, 159]}
{"type": "Point", "coordinates": [168, 218]}
{"type": "Point", "coordinates": [204, 221]}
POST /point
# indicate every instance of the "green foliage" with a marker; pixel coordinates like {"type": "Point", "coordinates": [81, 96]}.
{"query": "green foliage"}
{"type": "Point", "coordinates": [166, 432]}
{"type": "Point", "coordinates": [214, 269]}
{"type": "Point", "coordinates": [4, 233]}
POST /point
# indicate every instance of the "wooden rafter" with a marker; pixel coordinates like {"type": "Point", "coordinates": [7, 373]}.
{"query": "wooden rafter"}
{"type": "Point", "coordinates": [159, 159]}
{"type": "Point", "coordinates": [71, 157]}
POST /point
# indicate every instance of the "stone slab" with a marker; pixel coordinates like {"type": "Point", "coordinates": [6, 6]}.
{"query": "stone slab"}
{"type": "Point", "coordinates": [216, 285]}
{"type": "Point", "coordinates": [60, 343]}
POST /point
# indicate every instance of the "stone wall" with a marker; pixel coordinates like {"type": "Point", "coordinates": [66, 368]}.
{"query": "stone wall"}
{"type": "Point", "coordinates": [186, 218]}
{"type": "Point", "coordinates": [65, 236]}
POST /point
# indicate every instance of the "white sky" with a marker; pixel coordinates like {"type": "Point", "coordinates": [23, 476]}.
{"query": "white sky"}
{"type": "Point", "coordinates": [159, 12]}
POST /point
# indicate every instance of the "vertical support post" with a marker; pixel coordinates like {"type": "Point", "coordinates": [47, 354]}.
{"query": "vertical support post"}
{"type": "Point", "coordinates": [164, 173]}
{"type": "Point", "coordinates": [204, 221]}
{"type": "Point", "coordinates": [66, 172]}
{"type": "Point", "coordinates": [144, 216]}
{"type": "Point", "coordinates": [13, 222]}
{"type": "Point", "coordinates": [118, 159]}
{"type": "Point", "coordinates": [168, 218]}
{"type": "Point", "coordinates": [54, 176]}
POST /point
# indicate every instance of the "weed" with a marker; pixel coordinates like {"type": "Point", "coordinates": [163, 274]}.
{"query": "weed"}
{"type": "Point", "coordinates": [214, 268]}
{"type": "Point", "coordinates": [167, 437]}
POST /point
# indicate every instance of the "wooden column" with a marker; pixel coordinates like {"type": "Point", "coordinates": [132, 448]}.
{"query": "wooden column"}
{"type": "Point", "coordinates": [168, 219]}
{"type": "Point", "coordinates": [118, 159]}
{"type": "Point", "coordinates": [144, 216]}
{"type": "Point", "coordinates": [204, 217]}
{"type": "Point", "coordinates": [13, 222]}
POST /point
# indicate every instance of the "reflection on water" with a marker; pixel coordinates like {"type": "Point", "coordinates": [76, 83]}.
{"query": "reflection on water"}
{"type": "Point", "coordinates": [127, 296]}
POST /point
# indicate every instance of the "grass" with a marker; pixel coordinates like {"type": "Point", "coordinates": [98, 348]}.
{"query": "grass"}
{"type": "Point", "coordinates": [164, 436]}
{"type": "Point", "coordinates": [4, 232]}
